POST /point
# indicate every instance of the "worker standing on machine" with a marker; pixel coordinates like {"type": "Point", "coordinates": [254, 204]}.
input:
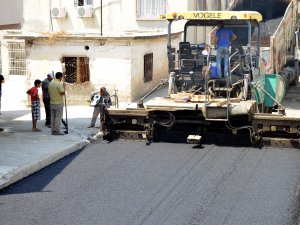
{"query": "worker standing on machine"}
{"type": "Point", "coordinates": [223, 39]}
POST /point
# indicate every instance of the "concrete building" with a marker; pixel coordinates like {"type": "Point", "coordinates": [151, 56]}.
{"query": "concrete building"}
{"type": "Point", "coordinates": [120, 44]}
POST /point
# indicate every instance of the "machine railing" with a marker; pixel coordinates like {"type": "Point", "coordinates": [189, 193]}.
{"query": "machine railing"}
{"type": "Point", "coordinates": [280, 40]}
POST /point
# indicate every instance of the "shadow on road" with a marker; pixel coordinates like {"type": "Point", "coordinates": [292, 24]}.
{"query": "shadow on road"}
{"type": "Point", "coordinates": [37, 181]}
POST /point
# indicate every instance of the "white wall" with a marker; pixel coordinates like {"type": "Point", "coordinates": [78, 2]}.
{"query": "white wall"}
{"type": "Point", "coordinates": [14, 92]}
{"type": "Point", "coordinates": [119, 16]}
{"type": "Point", "coordinates": [36, 16]}
{"type": "Point", "coordinates": [118, 64]}
{"type": "Point", "coordinates": [11, 12]}
{"type": "Point", "coordinates": [160, 65]}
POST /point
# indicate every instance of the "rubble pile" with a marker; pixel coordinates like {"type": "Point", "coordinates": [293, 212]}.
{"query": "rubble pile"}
{"type": "Point", "coordinates": [269, 27]}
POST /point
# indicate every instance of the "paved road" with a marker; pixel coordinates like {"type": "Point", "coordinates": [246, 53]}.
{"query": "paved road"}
{"type": "Point", "coordinates": [129, 183]}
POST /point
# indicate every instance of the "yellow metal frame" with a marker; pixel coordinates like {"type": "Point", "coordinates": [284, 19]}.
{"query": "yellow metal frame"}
{"type": "Point", "coordinates": [213, 15]}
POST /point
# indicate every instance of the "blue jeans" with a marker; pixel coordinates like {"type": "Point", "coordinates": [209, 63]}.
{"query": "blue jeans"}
{"type": "Point", "coordinates": [222, 52]}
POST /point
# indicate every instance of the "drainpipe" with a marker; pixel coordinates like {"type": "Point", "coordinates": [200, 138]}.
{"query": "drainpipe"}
{"type": "Point", "coordinates": [50, 18]}
{"type": "Point", "coordinates": [101, 17]}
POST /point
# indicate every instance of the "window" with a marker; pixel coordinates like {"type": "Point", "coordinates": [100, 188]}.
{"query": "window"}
{"type": "Point", "coordinates": [82, 2]}
{"type": "Point", "coordinates": [77, 69]}
{"type": "Point", "coordinates": [148, 67]}
{"type": "Point", "coordinates": [150, 9]}
{"type": "Point", "coordinates": [201, 5]}
{"type": "Point", "coordinates": [217, 5]}
{"type": "Point", "coordinates": [17, 62]}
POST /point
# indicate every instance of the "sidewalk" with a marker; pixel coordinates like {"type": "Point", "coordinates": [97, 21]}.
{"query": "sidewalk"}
{"type": "Point", "coordinates": [23, 152]}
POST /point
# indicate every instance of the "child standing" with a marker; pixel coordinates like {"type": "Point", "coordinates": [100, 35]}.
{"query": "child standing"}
{"type": "Point", "coordinates": [35, 104]}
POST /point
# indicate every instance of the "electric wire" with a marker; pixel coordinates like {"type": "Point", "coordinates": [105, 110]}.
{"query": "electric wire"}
{"type": "Point", "coordinates": [170, 122]}
{"type": "Point", "coordinates": [250, 128]}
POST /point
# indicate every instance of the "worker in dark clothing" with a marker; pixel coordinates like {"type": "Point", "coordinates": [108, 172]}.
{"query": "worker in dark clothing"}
{"type": "Point", "coordinates": [46, 98]}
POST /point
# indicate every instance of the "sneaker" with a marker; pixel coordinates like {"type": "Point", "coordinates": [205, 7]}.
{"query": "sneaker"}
{"type": "Point", "coordinates": [90, 126]}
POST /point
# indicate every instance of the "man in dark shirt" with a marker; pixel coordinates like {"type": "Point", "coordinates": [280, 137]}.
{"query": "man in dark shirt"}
{"type": "Point", "coordinates": [100, 101]}
{"type": "Point", "coordinates": [46, 98]}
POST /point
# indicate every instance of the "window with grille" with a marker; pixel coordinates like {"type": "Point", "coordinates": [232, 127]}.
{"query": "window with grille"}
{"type": "Point", "coordinates": [150, 9]}
{"type": "Point", "coordinates": [17, 59]}
{"type": "Point", "coordinates": [82, 2]}
{"type": "Point", "coordinates": [148, 67]}
{"type": "Point", "coordinates": [77, 70]}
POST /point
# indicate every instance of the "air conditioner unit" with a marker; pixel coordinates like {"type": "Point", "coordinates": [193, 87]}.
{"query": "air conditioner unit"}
{"type": "Point", "coordinates": [85, 11]}
{"type": "Point", "coordinates": [58, 12]}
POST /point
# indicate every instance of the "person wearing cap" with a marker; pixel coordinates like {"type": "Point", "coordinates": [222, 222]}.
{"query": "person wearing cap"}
{"type": "Point", "coordinates": [46, 98]}
{"type": "Point", "coordinates": [223, 39]}
{"type": "Point", "coordinates": [100, 101]}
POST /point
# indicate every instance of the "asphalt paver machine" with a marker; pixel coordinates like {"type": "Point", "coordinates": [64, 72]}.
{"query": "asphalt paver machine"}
{"type": "Point", "coordinates": [199, 106]}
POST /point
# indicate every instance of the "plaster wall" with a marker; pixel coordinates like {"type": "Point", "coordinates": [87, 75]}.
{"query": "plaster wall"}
{"type": "Point", "coordinates": [11, 12]}
{"type": "Point", "coordinates": [36, 16]}
{"type": "Point", "coordinates": [118, 65]}
{"type": "Point", "coordinates": [160, 65]}
{"type": "Point", "coordinates": [118, 16]}
{"type": "Point", "coordinates": [14, 92]}
{"type": "Point", "coordinates": [109, 64]}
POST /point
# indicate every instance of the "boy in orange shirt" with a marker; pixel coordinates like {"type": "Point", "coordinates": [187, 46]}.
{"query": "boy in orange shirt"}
{"type": "Point", "coordinates": [35, 104]}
